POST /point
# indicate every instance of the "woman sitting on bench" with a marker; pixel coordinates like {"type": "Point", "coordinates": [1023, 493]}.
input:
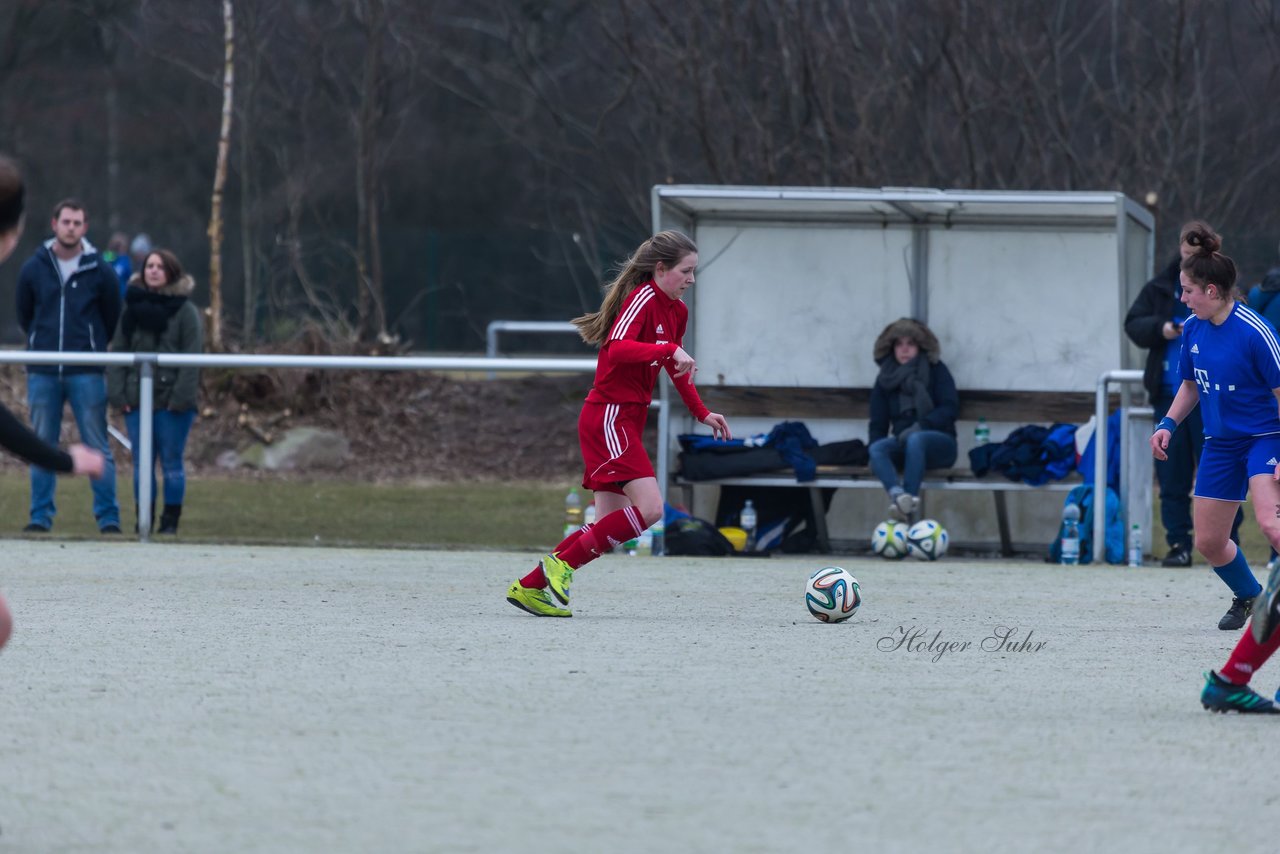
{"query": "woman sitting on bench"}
{"type": "Point", "coordinates": [913, 413]}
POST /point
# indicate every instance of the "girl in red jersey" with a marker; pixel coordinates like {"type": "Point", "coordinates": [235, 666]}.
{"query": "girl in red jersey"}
{"type": "Point", "coordinates": [639, 329]}
{"type": "Point", "coordinates": [14, 435]}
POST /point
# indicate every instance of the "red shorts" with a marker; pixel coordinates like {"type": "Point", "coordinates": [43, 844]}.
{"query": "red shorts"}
{"type": "Point", "coordinates": [612, 450]}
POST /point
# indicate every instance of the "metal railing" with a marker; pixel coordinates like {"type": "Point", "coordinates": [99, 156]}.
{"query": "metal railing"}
{"type": "Point", "coordinates": [148, 362]}
{"type": "Point", "coordinates": [495, 326]}
{"type": "Point", "coordinates": [1125, 379]}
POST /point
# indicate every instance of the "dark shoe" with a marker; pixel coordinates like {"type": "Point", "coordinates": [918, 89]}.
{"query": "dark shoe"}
{"type": "Point", "coordinates": [1179, 555]}
{"type": "Point", "coordinates": [110, 529]}
{"type": "Point", "coordinates": [169, 519]}
{"type": "Point", "coordinates": [1237, 614]}
{"type": "Point", "coordinates": [33, 528]}
{"type": "Point", "coordinates": [1219, 695]}
{"type": "Point", "coordinates": [152, 526]}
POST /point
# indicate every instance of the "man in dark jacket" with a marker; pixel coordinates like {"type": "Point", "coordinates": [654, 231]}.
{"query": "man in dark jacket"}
{"type": "Point", "coordinates": [68, 300]}
{"type": "Point", "coordinates": [1154, 322]}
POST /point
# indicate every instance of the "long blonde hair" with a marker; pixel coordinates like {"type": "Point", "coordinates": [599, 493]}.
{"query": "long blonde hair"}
{"type": "Point", "coordinates": [665, 246]}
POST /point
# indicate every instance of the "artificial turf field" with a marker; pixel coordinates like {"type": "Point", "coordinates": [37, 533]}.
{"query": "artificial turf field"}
{"type": "Point", "coordinates": [233, 698]}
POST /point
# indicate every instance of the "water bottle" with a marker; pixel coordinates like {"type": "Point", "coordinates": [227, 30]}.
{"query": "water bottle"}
{"type": "Point", "coordinates": [644, 544]}
{"type": "Point", "coordinates": [747, 522]}
{"type": "Point", "coordinates": [1070, 553]}
{"type": "Point", "coordinates": [1135, 545]}
{"type": "Point", "coordinates": [981, 432]}
{"type": "Point", "coordinates": [572, 512]}
{"type": "Point", "coordinates": [659, 531]}
{"type": "Point", "coordinates": [589, 516]}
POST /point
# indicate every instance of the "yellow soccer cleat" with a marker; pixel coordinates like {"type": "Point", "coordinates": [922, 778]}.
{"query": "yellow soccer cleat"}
{"type": "Point", "coordinates": [536, 601]}
{"type": "Point", "coordinates": [559, 576]}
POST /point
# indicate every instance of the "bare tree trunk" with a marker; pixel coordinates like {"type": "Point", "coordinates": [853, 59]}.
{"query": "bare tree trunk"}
{"type": "Point", "coordinates": [220, 181]}
{"type": "Point", "coordinates": [369, 302]}
{"type": "Point", "coordinates": [112, 97]}
{"type": "Point", "coordinates": [251, 37]}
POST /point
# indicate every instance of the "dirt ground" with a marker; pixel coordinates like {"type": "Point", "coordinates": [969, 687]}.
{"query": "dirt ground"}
{"type": "Point", "coordinates": [402, 425]}
{"type": "Point", "coordinates": [173, 697]}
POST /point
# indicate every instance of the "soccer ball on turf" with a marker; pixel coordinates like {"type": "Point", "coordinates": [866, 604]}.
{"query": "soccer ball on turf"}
{"type": "Point", "coordinates": [890, 540]}
{"type": "Point", "coordinates": [832, 594]}
{"type": "Point", "coordinates": [927, 540]}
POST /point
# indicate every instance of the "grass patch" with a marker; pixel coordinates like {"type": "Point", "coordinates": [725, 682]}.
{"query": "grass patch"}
{"type": "Point", "coordinates": [498, 515]}
{"type": "Point", "coordinates": [457, 515]}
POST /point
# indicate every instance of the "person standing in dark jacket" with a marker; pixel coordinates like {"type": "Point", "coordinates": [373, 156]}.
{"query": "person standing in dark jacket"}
{"type": "Point", "coordinates": [914, 405]}
{"type": "Point", "coordinates": [14, 435]}
{"type": "Point", "coordinates": [68, 300]}
{"type": "Point", "coordinates": [1154, 322]}
{"type": "Point", "coordinates": [159, 317]}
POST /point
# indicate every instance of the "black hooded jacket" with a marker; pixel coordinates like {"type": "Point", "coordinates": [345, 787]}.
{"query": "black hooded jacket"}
{"type": "Point", "coordinates": [1144, 324]}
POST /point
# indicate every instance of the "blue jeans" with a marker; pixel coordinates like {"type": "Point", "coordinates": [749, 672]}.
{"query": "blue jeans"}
{"type": "Point", "coordinates": [924, 449]}
{"type": "Point", "coordinates": [87, 394]}
{"type": "Point", "coordinates": [169, 431]}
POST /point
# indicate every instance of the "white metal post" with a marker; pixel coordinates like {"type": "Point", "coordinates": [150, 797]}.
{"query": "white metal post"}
{"type": "Point", "coordinates": [143, 460]}
{"type": "Point", "coordinates": [1100, 455]}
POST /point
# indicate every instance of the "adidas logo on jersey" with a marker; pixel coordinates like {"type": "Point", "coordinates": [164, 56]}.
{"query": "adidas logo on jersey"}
{"type": "Point", "coordinates": [1195, 348]}
{"type": "Point", "coordinates": [659, 329]}
{"type": "Point", "coordinates": [1273, 462]}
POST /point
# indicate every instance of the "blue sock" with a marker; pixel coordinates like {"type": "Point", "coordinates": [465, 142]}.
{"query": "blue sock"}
{"type": "Point", "coordinates": [1239, 577]}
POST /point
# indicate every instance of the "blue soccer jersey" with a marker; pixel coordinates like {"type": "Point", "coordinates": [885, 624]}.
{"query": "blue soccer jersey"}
{"type": "Point", "coordinates": [1235, 366]}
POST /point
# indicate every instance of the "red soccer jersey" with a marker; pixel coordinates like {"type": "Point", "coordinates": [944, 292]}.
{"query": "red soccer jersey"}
{"type": "Point", "coordinates": [647, 333]}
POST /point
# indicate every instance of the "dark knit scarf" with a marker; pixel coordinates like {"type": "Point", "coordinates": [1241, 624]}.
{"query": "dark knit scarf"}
{"type": "Point", "coordinates": [911, 382]}
{"type": "Point", "coordinates": [149, 310]}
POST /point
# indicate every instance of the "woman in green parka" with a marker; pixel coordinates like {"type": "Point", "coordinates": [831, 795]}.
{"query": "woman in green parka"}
{"type": "Point", "coordinates": [159, 317]}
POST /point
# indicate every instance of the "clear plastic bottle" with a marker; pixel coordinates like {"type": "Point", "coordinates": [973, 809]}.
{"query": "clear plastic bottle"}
{"type": "Point", "coordinates": [747, 521]}
{"type": "Point", "coordinates": [1135, 545]}
{"type": "Point", "coordinates": [1070, 547]}
{"type": "Point", "coordinates": [981, 432]}
{"type": "Point", "coordinates": [572, 511]}
{"type": "Point", "coordinates": [589, 515]}
{"type": "Point", "coordinates": [644, 543]}
{"type": "Point", "coordinates": [659, 531]}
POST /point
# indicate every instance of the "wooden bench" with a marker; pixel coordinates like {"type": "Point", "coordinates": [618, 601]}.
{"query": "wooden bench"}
{"type": "Point", "coordinates": [853, 405]}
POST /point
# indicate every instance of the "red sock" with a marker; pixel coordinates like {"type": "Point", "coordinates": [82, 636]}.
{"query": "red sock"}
{"type": "Point", "coordinates": [618, 527]}
{"type": "Point", "coordinates": [1248, 656]}
{"type": "Point", "coordinates": [537, 580]}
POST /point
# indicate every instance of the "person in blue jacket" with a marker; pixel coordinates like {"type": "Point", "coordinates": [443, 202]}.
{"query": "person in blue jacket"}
{"type": "Point", "coordinates": [68, 300]}
{"type": "Point", "coordinates": [914, 405]}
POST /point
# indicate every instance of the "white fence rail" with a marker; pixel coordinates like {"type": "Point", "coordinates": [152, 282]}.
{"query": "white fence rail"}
{"type": "Point", "coordinates": [148, 362]}
{"type": "Point", "coordinates": [1136, 463]}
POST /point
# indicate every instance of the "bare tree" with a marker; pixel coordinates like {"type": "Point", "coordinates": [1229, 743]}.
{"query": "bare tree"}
{"type": "Point", "coordinates": [220, 179]}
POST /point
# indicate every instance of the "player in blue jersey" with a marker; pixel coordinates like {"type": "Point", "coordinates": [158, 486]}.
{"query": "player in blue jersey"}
{"type": "Point", "coordinates": [1230, 367]}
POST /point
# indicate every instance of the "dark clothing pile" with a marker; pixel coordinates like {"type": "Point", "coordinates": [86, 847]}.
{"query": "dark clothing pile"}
{"type": "Point", "coordinates": [1032, 454]}
{"type": "Point", "coordinates": [789, 444]}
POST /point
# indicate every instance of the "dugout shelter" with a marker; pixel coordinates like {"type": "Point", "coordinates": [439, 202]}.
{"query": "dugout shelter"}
{"type": "Point", "coordinates": [1026, 291]}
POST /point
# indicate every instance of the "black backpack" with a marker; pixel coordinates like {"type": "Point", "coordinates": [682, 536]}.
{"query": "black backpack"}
{"type": "Point", "coordinates": [692, 536]}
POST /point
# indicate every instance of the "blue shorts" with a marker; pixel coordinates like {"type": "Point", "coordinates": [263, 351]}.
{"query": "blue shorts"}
{"type": "Point", "coordinates": [1227, 464]}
